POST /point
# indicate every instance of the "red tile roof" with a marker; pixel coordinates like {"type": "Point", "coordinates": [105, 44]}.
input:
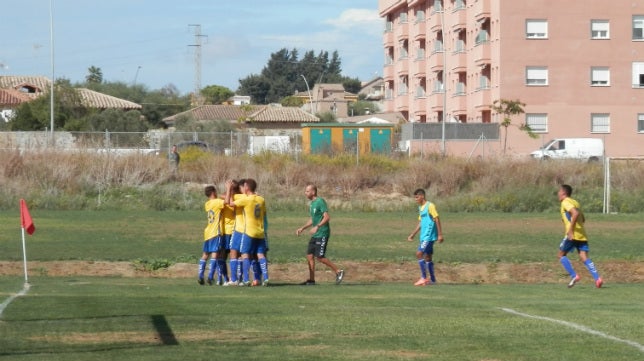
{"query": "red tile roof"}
{"type": "Point", "coordinates": [255, 113]}
{"type": "Point", "coordinates": [12, 98]}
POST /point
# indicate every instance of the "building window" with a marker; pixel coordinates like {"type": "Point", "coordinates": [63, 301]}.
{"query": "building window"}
{"type": "Point", "coordinates": [438, 6]}
{"type": "Point", "coordinates": [459, 4]}
{"type": "Point", "coordinates": [536, 75]}
{"type": "Point", "coordinates": [402, 85]}
{"type": "Point", "coordinates": [420, 89]}
{"type": "Point", "coordinates": [638, 27]}
{"type": "Point", "coordinates": [538, 122]}
{"type": "Point", "coordinates": [599, 29]}
{"type": "Point", "coordinates": [600, 123]}
{"type": "Point", "coordinates": [640, 123]}
{"type": "Point", "coordinates": [599, 76]}
{"type": "Point", "coordinates": [420, 16]}
{"type": "Point", "coordinates": [536, 29]}
{"type": "Point", "coordinates": [404, 49]}
{"type": "Point", "coordinates": [638, 74]}
{"type": "Point", "coordinates": [402, 18]}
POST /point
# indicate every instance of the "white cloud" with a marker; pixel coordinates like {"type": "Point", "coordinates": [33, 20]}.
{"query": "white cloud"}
{"type": "Point", "coordinates": [366, 20]}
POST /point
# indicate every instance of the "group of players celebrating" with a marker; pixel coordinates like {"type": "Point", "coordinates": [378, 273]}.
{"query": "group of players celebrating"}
{"type": "Point", "coordinates": [235, 231]}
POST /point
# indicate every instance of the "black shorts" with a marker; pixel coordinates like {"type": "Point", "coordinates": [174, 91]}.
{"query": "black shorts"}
{"type": "Point", "coordinates": [317, 246]}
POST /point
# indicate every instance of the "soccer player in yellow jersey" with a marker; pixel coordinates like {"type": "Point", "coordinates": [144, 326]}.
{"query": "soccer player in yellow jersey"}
{"type": "Point", "coordinates": [212, 234]}
{"type": "Point", "coordinates": [575, 237]}
{"type": "Point", "coordinates": [233, 190]}
{"type": "Point", "coordinates": [228, 215]}
{"type": "Point", "coordinates": [253, 241]}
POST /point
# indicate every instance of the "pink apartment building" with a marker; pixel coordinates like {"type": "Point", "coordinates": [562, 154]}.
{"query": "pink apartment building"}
{"type": "Point", "coordinates": [577, 65]}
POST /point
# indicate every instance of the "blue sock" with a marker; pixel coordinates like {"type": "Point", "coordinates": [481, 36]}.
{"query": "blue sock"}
{"type": "Point", "coordinates": [213, 267]}
{"type": "Point", "coordinates": [233, 269]}
{"type": "Point", "coordinates": [591, 268]}
{"type": "Point", "coordinates": [202, 267]}
{"type": "Point", "coordinates": [423, 272]}
{"type": "Point", "coordinates": [568, 267]}
{"type": "Point", "coordinates": [223, 270]}
{"type": "Point", "coordinates": [263, 265]}
{"type": "Point", "coordinates": [257, 273]}
{"type": "Point", "coordinates": [245, 269]}
{"type": "Point", "coordinates": [430, 267]}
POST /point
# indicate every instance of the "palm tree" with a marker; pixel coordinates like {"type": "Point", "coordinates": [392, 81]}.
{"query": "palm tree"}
{"type": "Point", "coordinates": [510, 108]}
{"type": "Point", "coordinates": [95, 75]}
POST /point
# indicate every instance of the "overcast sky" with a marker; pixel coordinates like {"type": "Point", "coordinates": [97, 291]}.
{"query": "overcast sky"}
{"type": "Point", "coordinates": [152, 41]}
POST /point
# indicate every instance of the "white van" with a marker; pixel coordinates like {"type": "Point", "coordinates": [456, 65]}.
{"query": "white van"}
{"type": "Point", "coordinates": [589, 149]}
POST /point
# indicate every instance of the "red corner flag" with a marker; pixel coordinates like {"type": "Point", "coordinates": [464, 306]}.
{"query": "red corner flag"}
{"type": "Point", "coordinates": [25, 218]}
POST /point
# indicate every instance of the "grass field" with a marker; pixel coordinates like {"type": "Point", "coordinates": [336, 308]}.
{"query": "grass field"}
{"type": "Point", "coordinates": [163, 319]}
{"type": "Point", "coordinates": [121, 318]}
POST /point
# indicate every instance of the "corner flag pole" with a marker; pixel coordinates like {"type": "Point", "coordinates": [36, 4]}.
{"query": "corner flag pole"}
{"type": "Point", "coordinates": [27, 224]}
{"type": "Point", "coordinates": [24, 254]}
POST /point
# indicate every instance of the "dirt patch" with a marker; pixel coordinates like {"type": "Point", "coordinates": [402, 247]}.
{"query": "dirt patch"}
{"type": "Point", "coordinates": [356, 272]}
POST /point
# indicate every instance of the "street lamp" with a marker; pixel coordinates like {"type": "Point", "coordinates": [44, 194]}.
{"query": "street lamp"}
{"type": "Point", "coordinates": [310, 96]}
{"type": "Point", "coordinates": [136, 75]}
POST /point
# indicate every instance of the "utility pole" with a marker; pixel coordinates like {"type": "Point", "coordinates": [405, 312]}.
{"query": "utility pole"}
{"type": "Point", "coordinates": [197, 92]}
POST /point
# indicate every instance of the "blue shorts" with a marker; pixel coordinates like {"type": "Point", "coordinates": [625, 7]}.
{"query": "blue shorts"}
{"type": "Point", "coordinates": [250, 245]}
{"type": "Point", "coordinates": [212, 245]}
{"type": "Point", "coordinates": [426, 247]}
{"type": "Point", "coordinates": [568, 245]}
{"type": "Point", "coordinates": [235, 241]}
{"type": "Point", "coordinates": [226, 241]}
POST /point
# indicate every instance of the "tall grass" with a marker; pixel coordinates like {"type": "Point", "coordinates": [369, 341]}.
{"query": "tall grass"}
{"type": "Point", "coordinates": [84, 180]}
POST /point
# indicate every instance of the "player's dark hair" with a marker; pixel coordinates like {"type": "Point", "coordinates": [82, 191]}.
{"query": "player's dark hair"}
{"type": "Point", "coordinates": [210, 190]}
{"type": "Point", "coordinates": [419, 191]}
{"type": "Point", "coordinates": [251, 184]}
{"type": "Point", "coordinates": [567, 189]}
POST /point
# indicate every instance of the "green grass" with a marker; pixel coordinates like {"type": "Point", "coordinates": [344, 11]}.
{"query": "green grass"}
{"type": "Point", "coordinates": [107, 318]}
{"type": "Point", "coordinates": [360, 236]}
{"type": "Point", "coordinates": [169, 319]}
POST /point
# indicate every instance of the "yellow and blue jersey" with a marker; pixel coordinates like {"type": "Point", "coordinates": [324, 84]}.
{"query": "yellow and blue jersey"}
{"type": "Point", "coordinates": [214, 227]}
{"type": "Point", "coordinates": [579, 233]}
{"type": "Point", "coordinates": [254, 212]}
{"type": "Point", "coordinates": [239, 214]}
{"type": "Point", "coordinates": [229, 219]}
{"type": "Point", "coordinates": [427, 214]}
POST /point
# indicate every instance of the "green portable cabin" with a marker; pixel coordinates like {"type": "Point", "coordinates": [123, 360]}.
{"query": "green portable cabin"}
{"type": "Point", "coordinates": [329, 138]}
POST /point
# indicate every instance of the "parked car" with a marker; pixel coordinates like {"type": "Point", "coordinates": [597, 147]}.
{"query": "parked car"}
{"type": "Point", "coordinates": [193, 144]}
{"type": "Point", "coordinates": [589, 149]}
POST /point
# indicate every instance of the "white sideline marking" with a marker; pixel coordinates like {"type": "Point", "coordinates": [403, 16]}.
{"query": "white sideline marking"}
{"type": "Point", "coordinates": [576, 327]}
{"type": "Point", "coordinates": [6, 303]}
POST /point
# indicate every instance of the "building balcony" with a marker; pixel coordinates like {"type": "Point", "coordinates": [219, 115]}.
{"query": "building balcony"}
{"type": "Point", "coordinates": [482, 98]}
{"type": "Point", "coordinates": [388, 73]}
{"type": "Point", "coordinates": [458, 104]}
{"type": "Point", "coordinates": [436, 62]}
{"type": "Point", "coordinates": [388, 39]}
{"type": "Point", "coordinates": [419, 67]}
{"type": "Point", "coordinates": [436, 19]}
{"type": "Point", "coordinates": [420, 105]}
{"type": "Point", "coordinates": [420, 31]}
{"type": "Point", "coordinates": [402, 67]}
{"type": "Point", "coordinates": [482, 53]}
{"type": "Point", "coordinates": [482, 9]}
{"type": "Point", "coordinates": [402, 32]}
{"type": "Point", "coordinates": [459, 19]}
{"type": "Point", "coordinates": [458, 61]}
{"type": "Point", "coordinates": [436, 100]}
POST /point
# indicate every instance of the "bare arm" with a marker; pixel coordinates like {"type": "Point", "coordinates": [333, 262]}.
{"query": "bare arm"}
{"type": "Point", "coordinates": [439, 227]}
{"type": "Point", "coordinates": [413, 234]}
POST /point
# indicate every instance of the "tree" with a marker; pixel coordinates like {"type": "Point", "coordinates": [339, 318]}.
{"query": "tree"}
{"type": "Point", "coordinates": [285, 73]}
{"type": "Point", "coordinates": [361, 107]}
{"type": "Point", "coordinates": [510, 108]}
{"type": "Point", "coordinates": [216, 94]}
{"type": "Point", "coordinates": [95, 75]}
{"type": "Point", "coordinates": [35, 115]}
